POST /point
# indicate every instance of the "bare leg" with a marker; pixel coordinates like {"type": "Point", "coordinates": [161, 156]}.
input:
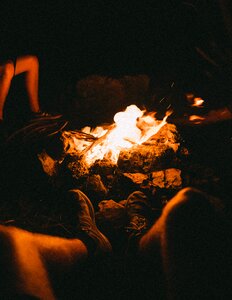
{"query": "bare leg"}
{"type": "Point", "coordinates": [24, 260]}
{"type": "Point", "coordinates": [30, 66]}
{"type": "Point", "coordinates": [192, 240]}
{"type": "Point", "coordinates": [32, 264]}
{"type": "Point", "coordinates": [6, 75]}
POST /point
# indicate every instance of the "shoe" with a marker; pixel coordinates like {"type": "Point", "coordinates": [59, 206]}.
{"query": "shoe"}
{"type": "Point", "coordinates": [44, 116]}
{"type": "Point", "coordinates": [139, 212]}
{"type": "Point", "coordinates": [86, 217]}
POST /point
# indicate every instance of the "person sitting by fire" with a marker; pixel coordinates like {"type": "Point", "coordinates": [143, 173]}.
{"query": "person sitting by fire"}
{"type": "Point", "coordinates": [201, 62]}
{"type": "Point", "coordinates": [212, 46]}
{"type": "Point", "coordinates": [188, 239]}
{"type": "Point", "coordinates": [174, 252]}
{"type": "Point", "coordinates": [29, 65]}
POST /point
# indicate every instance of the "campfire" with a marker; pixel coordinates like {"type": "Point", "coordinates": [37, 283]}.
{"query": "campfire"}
{"type": "Point", "coordinates": [135, 152]}
{"type": "Point", "coordinates": [132, 127]}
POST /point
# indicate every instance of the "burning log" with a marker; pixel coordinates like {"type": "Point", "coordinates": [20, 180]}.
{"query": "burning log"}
{"type": "Point", "coordinates": [138, 167]}
{"type": "Point", "coordinates": [159, 152]}
{"type": "Point", "coordinates": [137, 152]}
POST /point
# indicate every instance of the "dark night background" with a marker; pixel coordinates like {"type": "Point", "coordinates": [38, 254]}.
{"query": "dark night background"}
{"type": "Point", "coordinates": [73, 39]}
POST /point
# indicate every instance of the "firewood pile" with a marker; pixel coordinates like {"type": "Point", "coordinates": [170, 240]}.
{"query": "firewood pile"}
{"type": "Point", "coordinates": [154, 165]}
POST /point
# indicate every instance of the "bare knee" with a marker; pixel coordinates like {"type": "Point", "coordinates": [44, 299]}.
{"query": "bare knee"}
{"type": "Point", "coordinates": [176, 210]}
{"type": "Point", "coordinates": [8, 70]}
{"type": "Point", "coordinates": [192, 218]}
{"type": "Point", "coordinates": [5, 233]}
{"type": "Point", "coordinates": [189, 213]}
{"type": "Point", "coordinates": [192, 199]}
{"type": "Point", "coordinates": [6, 246]}
{"type": "Point", "coordinates": [33, 61]}
{"type": "Point", "coordinates": [193, 228]}
{"type": "Point", "coordinates": [10, 234]}
{"type": "Point", "coordinates": [7, 237]}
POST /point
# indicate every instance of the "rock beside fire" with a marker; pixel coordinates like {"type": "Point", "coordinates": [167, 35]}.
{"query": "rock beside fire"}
{"type": "Point", "coordinates": [153, 166]}
{"type": "Point", "coordinates": [163, 179]}
{"type": "Point", "coordinates": [112, 212]}
{"type": "Point", "coordinates": [159, 152]}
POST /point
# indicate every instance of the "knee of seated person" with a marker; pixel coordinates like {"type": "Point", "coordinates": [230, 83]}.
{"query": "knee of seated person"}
{"type": "Point", "coordinates": [8, 70]}
{"type": "Point", "coordinates": [5, 243]}
{"type": "Point", "coordinates": [192, 213]}
{"type": "Point", "coordinates": [192, 199]}
{"type": "Point", "coordinates": [186, 209]}
{"type": "Point", "coordinates": [33, 61]}
{"type": "Point", "coordinates": [4, 232]}
{"type": "Point", "coordinates": [193, 228]}
{"type": "Point", "coordinates": [7, 233]}
{"type": "Point", "coordinates": [188, 194]}
{"type": "Point", "coordinates": [5, 257]}
{"type": "Point", "coordinates": [11, 233]}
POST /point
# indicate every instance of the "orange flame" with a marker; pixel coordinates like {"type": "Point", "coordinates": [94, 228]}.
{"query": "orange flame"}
{"type": "Point", "coordinates": [131, 127]}
{"type": "Point", "coordinates": [194, 101]}
{"type": "Point", "coordinates": [198, 101]}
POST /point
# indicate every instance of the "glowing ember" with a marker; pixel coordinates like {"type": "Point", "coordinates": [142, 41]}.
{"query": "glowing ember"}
{"type": "Point", "coordinates": [196, 119]}
{"type": "Point", "coordinates": [131, 128]}
{"type": "Point", "coordinates": [194, 101]}
{"type": "Point", "coordinates": [198, 101]}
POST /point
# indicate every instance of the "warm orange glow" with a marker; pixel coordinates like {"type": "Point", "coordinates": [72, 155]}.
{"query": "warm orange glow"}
{"type": "Point", "coordinates": [198, 101]}
{"type": "Point", "coordinates": [196, 119]}
{"type": "Point", "coordinates": [131, 127]}
{"type": "Point", "coordinates": [194, 101]}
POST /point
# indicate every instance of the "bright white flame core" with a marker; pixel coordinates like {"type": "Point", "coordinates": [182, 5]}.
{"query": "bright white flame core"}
{"type": "Point", "coordinates": [198, 101]}
{"type": "Point", "coordinates": [131, 127]}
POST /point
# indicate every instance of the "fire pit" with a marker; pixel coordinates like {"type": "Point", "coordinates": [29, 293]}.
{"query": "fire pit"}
{"type": "Point", "coordinates": [108, 162]}
{"type": "Point", "coordinates": [136, 152]}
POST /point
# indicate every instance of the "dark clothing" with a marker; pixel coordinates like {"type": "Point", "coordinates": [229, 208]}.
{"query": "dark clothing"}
{"type": "Point", "coordinates": [194, 54]}
{"type": "Point", "coordinates": [207, 29]}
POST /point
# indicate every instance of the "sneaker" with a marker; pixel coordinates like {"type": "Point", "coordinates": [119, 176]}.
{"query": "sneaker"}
{"type": "Point", "coordinates": [44, 115]}
{"type": "Point", "coordinates": [139, 211]}
{"type": "Point", "coordinates": [86, 217]}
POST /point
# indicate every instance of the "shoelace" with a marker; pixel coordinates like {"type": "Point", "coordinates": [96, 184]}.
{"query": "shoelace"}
{"type": "Point", "coordinates": [86, 223]}
{"type": "Point", "coordinates": [137, 225]}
